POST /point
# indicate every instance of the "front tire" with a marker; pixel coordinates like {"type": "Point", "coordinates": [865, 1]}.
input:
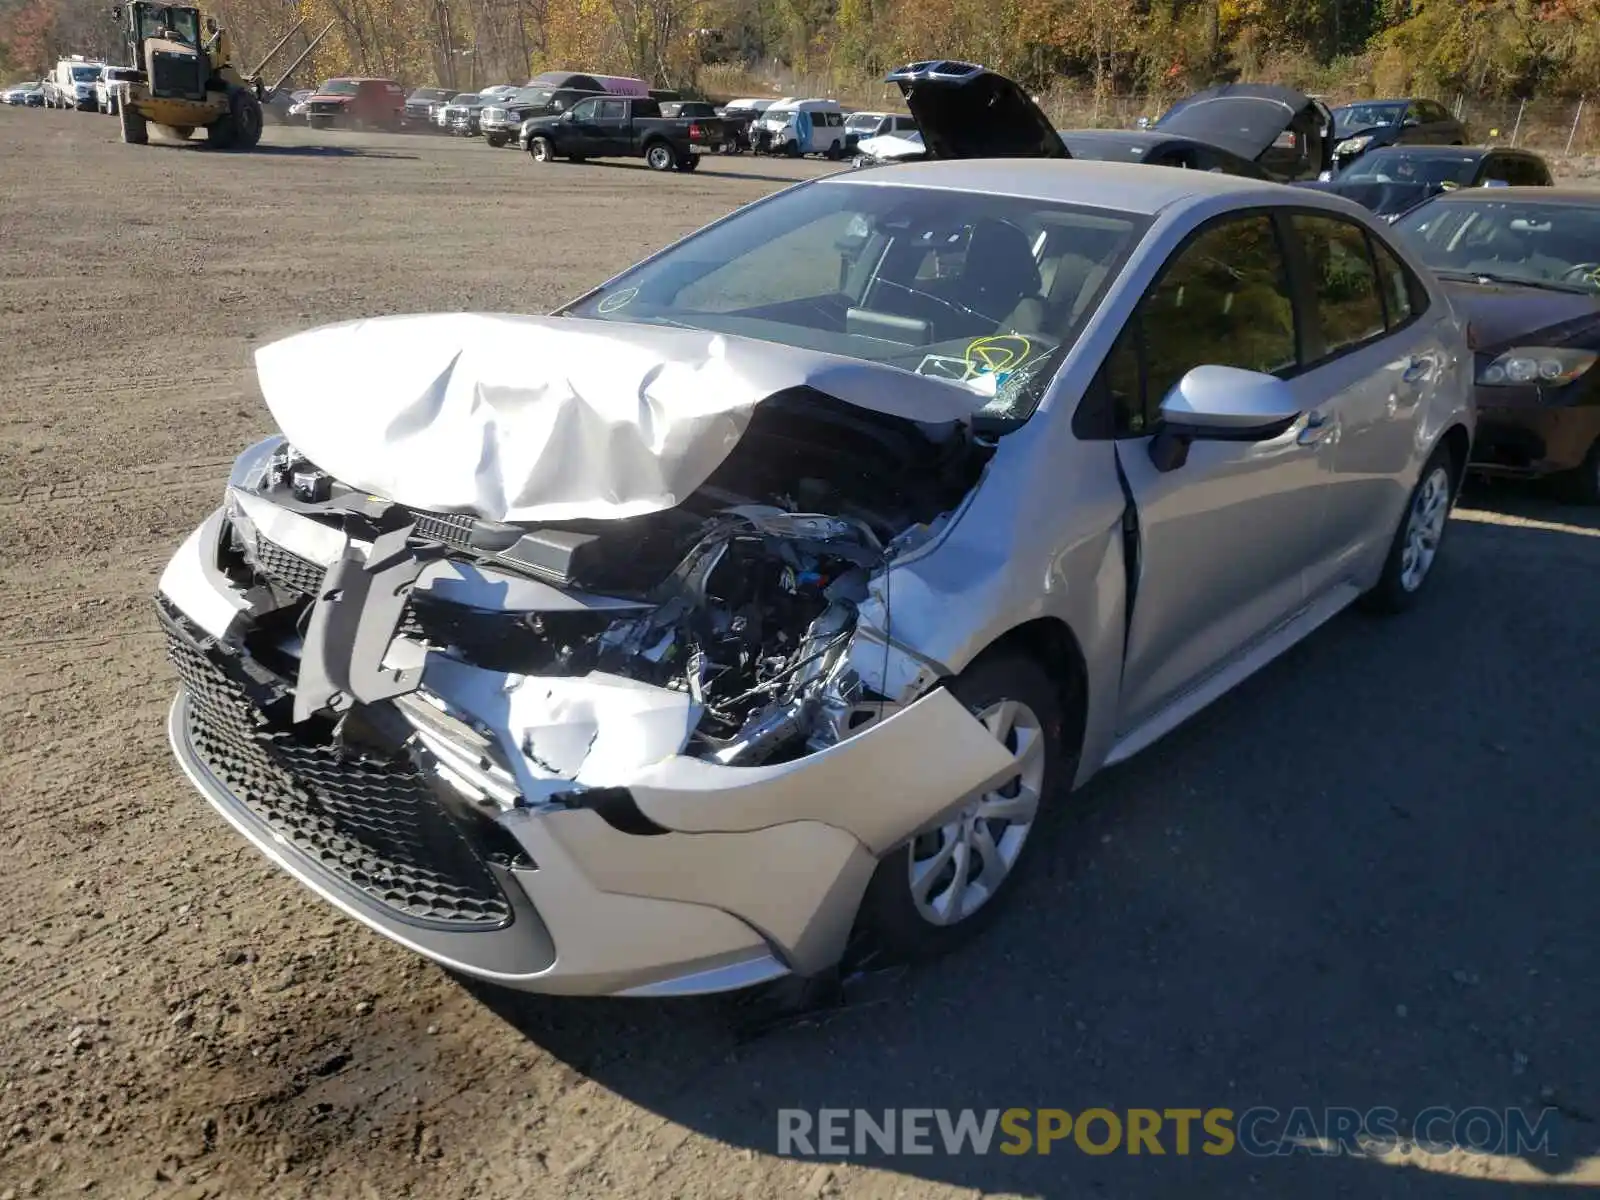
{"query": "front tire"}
{"type": "Point", "coordinates": [541, 150]}
{"type": "Point", "coordinates": [495, 140]}
{"type": "Point", "coordinates": [133, 128]}
{"type": "Point", "coordinates": [941, 889]}
{"type": "Point", "coordinates": [658, 157]}
{"type": "Point", "coordinates": [1417, 541]}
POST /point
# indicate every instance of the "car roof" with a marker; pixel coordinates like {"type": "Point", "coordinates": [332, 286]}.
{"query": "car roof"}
{"type": "Point", "coordinates": [1129, 187]}
{"type": "Point", "coordinates": [1574, 197]}
{"type": "Point", "coordinates": [1413, 150]}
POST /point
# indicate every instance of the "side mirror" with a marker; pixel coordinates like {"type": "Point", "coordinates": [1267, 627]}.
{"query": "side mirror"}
{"type": "Point", "coordinates": [1228, 404]}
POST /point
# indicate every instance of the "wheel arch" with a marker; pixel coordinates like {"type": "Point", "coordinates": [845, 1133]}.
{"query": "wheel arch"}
{"type": "Point", "coordinates": [1050, 642]}
{"type": "Point", "coordinates": [1458, 442]}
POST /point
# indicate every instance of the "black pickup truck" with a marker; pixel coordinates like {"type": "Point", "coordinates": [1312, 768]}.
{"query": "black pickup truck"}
{"type": "Point", "coordinates": [623, 127]}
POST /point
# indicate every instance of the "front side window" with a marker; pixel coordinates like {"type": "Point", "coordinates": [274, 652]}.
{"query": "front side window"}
{"type": "Point", "coordinates": [985, 291]}
{"type": "Point", "coordinates": [1348, 305]}
{"type": "Point", "coordinates": [585, 111]}
{"type": "Point", "coordinates": [1222, 300]}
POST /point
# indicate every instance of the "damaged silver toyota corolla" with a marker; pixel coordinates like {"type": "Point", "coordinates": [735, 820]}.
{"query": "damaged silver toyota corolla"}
{"type": "Point", "coordinates": [770, 593]}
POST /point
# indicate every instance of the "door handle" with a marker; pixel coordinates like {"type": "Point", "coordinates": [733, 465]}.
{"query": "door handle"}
{"type": "Point", "coordinates": [1416, 370]}
{"type": "Point", "coordinates": [1317, 427]}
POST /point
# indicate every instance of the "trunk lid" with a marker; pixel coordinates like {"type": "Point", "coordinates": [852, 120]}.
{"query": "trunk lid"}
{"type": "Point", "coordinates": [1287, 132]}
{"type": "Point", "coordinates": [967, 111]}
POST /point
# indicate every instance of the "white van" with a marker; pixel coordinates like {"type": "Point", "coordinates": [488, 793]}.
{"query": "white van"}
{"type": "Point", "coordinates": [71, 84]}
{"type": "Point", "coordinates": [827, 127]}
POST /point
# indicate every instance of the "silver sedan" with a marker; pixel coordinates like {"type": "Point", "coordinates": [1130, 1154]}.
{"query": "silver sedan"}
{"type": "Point", "coordinates": [766, 599]}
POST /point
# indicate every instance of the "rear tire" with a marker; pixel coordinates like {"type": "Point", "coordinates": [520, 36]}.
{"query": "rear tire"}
{"type": "Point", "coordinates": [834, 153]}
{"type": "Point", "coordinates": [134, 130]}
{"type": "Point", "coordinates": [900, 914]}
{"type": "Point", "coordinates": [1420, 536]}
{"type": "Point", "coordinates": [690, 163]}
{"type": "Point", "coordinates": [1582, 484]}
{"type": "Point", "coordinates": [658, 156]}
{"type": "Point", "coordinates": [495, 139]}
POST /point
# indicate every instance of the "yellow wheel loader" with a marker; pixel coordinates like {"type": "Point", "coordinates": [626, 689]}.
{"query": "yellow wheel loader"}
{"type": "Point", "coordinates": [184, 83]}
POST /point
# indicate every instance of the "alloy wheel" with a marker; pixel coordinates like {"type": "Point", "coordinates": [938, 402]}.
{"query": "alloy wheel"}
{"type": "Point", "coordinates": [1430, 508]}
{"type": "Point", "coordinates": [957, 868]}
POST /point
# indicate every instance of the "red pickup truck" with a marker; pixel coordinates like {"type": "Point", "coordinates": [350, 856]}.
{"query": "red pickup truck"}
{"type": "Point", "coordinates": [357, 104]}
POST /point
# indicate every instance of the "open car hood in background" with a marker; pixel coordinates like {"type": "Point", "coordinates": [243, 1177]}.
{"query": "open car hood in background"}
{"type": "Point", "coordinates": [967, 111]}
{"type": "Point", "coordinates": [518, 418]}
{"type": "Point", "coordinates": [1259, 121]}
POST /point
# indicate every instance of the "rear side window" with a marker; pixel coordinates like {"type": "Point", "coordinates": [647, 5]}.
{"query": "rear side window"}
{"type": "Point", "coordinates": [1344, 282]}
{"type": "Point", "coordinates": [613, 110]}
{"type": "Point", "coordinates": [1223, 299]}
{"type": "Point", "coordinates": [1403, 294]}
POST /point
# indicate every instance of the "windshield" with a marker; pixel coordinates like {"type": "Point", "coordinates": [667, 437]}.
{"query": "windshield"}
{"type": "Point", "coordinates": [430, 94]}
{"type": "Point", "coordinates": [468, 98]}
{"type": "Point", "coordinates": [339, 87]}
{"type": "Point", "coordinates": [1366, 116]}
{"type": "Point", "coordinates": [85, 74]}
{"type": "Point", "coordinates": [1414, 166]}
{"type": "Point", "coordinates": [859, 121]}
{"type": "Point", "coordinates": [536, 97]}
{"type": "Point", "coordinates": [988, 291]}
{"type": "Point", "coordinates": [1545, 245]}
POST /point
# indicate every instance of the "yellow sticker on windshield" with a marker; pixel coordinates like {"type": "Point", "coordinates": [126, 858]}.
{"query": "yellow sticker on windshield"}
{"type": "Point", "coordinates": [1002, 352]}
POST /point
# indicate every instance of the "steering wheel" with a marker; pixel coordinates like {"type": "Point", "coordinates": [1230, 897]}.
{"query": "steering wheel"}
{"type": "Point", "coordinates": [1585, 272]}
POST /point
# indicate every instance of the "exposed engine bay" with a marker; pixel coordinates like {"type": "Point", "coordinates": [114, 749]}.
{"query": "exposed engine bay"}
{"type": "Point", "coordinates": [745, 596]}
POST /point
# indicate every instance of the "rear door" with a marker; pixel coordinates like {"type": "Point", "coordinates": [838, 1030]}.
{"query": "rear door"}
{"type": "Point", "coordinates": [1224, 541]}
{"type": "Point", "coordinates": [615, 127]}
{"type": "Point", "coordinates": [1369, 360]}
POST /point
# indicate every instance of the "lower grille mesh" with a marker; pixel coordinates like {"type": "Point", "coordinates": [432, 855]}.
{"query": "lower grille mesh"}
{"type": "Point", "coordinates": [376, 827]}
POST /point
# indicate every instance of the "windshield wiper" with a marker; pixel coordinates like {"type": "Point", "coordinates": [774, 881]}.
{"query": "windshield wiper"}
{"type": "Point", "coordinates": [1554, 285]}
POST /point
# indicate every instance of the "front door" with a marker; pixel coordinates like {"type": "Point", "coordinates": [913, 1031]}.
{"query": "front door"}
{"type": "Point", "coordinates": [586, 135]}
{"type": "Point", "coordinates": [1225, 539]}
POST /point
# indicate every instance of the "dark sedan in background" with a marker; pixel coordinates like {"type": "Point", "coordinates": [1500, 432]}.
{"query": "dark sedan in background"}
{"type": "Point", "coordinates": [1373, 124]}
{"type": "Point", "coordinates": [1395, 180]}
{"type": "Point", "coordinates": [1523, 266]}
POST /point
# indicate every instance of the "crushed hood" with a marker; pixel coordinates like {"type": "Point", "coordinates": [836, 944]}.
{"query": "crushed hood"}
{"type": "Point", "coordinates": [521, 418]}
{"type": "Point", "coordinates": [967, 111]}
{"type": "Point", "coordinates": [1287, 132]}
{"type": "Point", "coordinates": [892, 147]}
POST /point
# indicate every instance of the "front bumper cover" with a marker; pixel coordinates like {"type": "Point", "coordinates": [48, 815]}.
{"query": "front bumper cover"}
{"type": "Point", "coordinates": [638, 871]}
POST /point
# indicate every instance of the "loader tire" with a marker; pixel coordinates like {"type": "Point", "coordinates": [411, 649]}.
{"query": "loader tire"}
{"type": "Point", "coordinates": [246, 113]}
{"type": "Point", "coordinates": [240, 127]}
{"type": "Point", "coordinates": [134, 130]}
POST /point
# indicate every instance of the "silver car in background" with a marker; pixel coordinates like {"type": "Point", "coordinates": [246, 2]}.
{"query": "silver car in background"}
{"type": "Point", "coordinates": [762, 602]}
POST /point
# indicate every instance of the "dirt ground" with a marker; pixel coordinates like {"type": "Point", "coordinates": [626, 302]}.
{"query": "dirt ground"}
{"type": "Point", "coordinates": [1366, 878]}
